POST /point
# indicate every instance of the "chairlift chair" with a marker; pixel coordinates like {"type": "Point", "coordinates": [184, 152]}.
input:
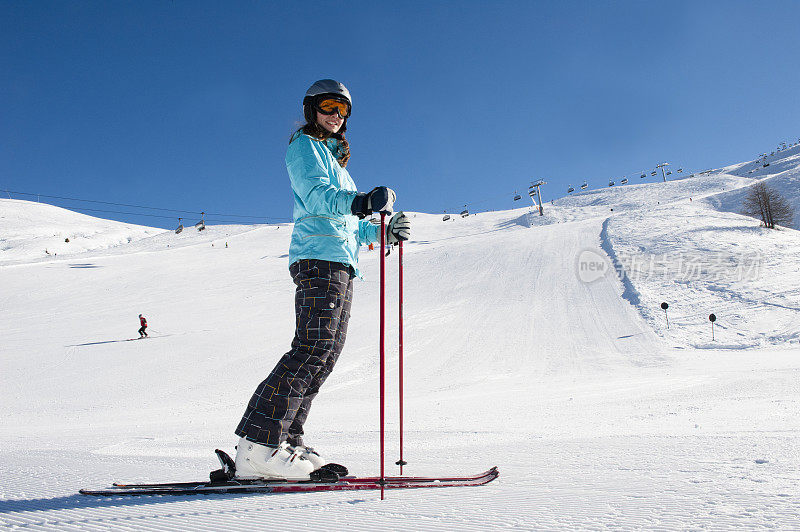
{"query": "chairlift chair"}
{"type": "Point", "coordinates": [624, 181]}
{"type": "Point", "coordinates": [654, 172]}
{"type": "Point", "coordinates": [180, 226]}
{"type": "Point", "coordinates": [643, 176]}
{"type": "Point", "coordinates": [465, 212]}
{"type": "Point", "coordinates": [517, 196]}
{"type": "Point", "coordinates": [680, 170]}
{"type": "Point", "coordinates": [669, 173]}
{"type": "Point", "coordinates": [584, 185]}
{"type": "Point", "coordinates": [571, 189]}
{"type": "Point", "coordinates": [611, 183]}
{"type": "Point", "coordinates": [445, 217]}
{"type": "Point", "coordinates": [201, 225]}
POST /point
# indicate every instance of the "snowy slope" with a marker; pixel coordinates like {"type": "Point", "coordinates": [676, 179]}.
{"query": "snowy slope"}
{"type": "Point", "coordinates": [710, 262]}
{"type": "Point", "coordinates": [673, 248]}
{"type": "Point", "coordinates": [782, 174]}
{"type": "Point", "coordinates": [517, 355]}
{"type": "Point", "coordinates": [30, 230]}
{"type": "Point", "coordinates": [724, 189]}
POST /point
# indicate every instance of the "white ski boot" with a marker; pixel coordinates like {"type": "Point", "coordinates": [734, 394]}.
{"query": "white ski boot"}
{"type": "Point", "coordinates": [309, 454]}
{"type": "Point", "coordinates": [323, 470]}
{"type": "Point", "coordinates": [254, 460]}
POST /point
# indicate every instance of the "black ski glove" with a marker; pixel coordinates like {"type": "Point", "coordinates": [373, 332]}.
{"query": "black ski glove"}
{"type": "Point", "coordinates": [399, 229]}
{"type": "Point", "coordinates": [379, 199]}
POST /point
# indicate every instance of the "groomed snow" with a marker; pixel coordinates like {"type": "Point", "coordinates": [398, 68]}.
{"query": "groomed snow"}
{"type": "Point", "coordinates": [532, 343]}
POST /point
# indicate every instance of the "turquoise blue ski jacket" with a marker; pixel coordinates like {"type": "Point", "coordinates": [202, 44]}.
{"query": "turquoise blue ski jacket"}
{"type": "Point", "coordinates": [324, 226]}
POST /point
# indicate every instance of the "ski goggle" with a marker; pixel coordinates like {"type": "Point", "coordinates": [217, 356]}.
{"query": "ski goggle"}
{"type": "Point", "coordinates": [329, 106]}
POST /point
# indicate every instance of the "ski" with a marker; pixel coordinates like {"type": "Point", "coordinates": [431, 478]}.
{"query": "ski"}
{"type": "Point", "coordinates": [352, 479]}
{"type": "Point", "coordinates": [280, 486]}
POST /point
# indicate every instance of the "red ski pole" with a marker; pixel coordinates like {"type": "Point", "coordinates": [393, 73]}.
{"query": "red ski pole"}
{"type": "Point", "coordinates": [383, 307]}
{"type": "Point", "coordinates": [401, 462]}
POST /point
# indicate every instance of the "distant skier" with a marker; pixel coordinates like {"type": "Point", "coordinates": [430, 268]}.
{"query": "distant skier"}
{"type": "Point", "coordinates": [142, 329]}
{"type": "Point", "coordinates": [323, 257]}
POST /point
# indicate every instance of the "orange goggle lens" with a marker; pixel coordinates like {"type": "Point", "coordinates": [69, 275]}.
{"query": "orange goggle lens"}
{"type": "Point", "coordinates": [330, 106]}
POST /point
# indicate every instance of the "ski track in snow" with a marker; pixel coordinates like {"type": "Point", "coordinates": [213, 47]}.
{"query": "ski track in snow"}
{"type": "Point", "coordinates": [598, 415]}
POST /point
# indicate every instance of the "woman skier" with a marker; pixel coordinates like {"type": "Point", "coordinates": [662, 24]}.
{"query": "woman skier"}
{"type": "Point", "coordinates": [329, 228]}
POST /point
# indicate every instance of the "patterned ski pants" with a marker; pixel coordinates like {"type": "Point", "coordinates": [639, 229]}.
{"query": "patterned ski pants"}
{"type": "Point", "coordinates": [280, 404]}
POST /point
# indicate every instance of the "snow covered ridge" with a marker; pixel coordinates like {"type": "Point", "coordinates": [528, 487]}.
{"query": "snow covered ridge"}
{"type": "Point", "coordinates": [30, 231]}
{"type": "Point", "coordinates": [723, 188]}
{"type": "Point", "coordinates": [38, 232]}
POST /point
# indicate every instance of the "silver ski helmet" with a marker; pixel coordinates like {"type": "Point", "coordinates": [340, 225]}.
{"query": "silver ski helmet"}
{"type": "Point", "coordinates": [320, 89]}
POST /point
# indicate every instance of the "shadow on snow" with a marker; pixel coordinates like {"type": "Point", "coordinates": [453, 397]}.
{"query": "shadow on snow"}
{"type": "Point", "coordinates": [78, 502]}
{"type": "Point", "coordinates": [116, 341]}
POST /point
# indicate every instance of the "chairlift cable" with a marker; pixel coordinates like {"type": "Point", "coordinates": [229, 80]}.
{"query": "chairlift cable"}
{"type": "Point", "coordinates": [177, 211]}
{"type": "Point", "coordinates": [105, 203]}
{"type": "Point", "coordinates": [215, 220]}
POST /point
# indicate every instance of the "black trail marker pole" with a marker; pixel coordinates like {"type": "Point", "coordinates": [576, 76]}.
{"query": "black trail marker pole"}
{"type": "Point", "coordinates": [665, 306]}
{"type": "Point", "coordinates": [712, 318]}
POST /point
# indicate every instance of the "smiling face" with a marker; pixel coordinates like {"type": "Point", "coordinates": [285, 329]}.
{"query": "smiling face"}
{"type": "Point", "coordinates": [331, 123]}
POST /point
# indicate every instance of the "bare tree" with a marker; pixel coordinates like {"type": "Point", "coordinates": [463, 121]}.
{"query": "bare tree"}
{"type": "Point", "coordinates": [768, 205]}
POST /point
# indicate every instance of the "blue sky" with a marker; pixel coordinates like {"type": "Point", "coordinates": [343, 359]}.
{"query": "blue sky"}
{"type": "Point", "coordinates": [189, 105]}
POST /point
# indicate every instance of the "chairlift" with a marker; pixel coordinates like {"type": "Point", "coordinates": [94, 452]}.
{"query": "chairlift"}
{"type": "Point", "coordinates": [680, 170]}
{"type": "Point", "coordinates": [654, 172]}
{"type": "Point", "coordinates": [517, 196]}
{"type": "Point", "coordinates": [584, 185]}
{"type": "Point", "coordinates": [611, 183]}
{"type": "Point", "coordinates": [180, 226]}
{"type": "Point", "coordinates": [624, 181]}
{"type": "Point", "coordinates": [201, 225]}
{"type": "Point", "coordinates": [445, 217]}
{"type": "Point", "coordinates": [643, 176]}
{"type": "Point", "coordinates": [669, 173]}
{"type": "Point", "coordinates": [465, 212]}
{"type": "Point", "coordinates": [571, 189]}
